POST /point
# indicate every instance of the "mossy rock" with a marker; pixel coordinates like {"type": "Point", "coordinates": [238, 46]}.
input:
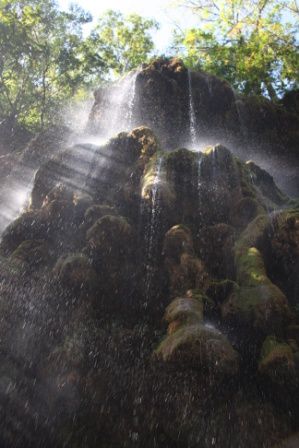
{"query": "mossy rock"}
{"type": "Point", "coordinates": [277, 363]}
{"type": "Point", "coordinates": [246, 210]}
{"type": "Point", "coordinates": [111, 236]}
{"type": "Point", "coordinates": [219, 162]}
{"type": "Point", "coordinates": [181, 159]}
{"type": "Point", "coordinates": [30, 225]}
{"type": "Point", "coordinates": [154, 183]}
{"type": "Point", "coordinates": [215, 245]}
{"type": "Point", "coordinates": [59, 192]}
{"type": "Point", "coordinates": [282, 255]}
{"type": "Point", "coordinates": [253, 235]}
{"type": "Point", "coordinates": [183, 311]}
{"type": "Point", "coordinates": [95, 212]}
{"type": "Point", "coordinates": [53, 172]}
{"type": "Point", "coordinates": [188, 272]}
{"type": "Point", "coordinates": [147, 139]}
{"type": "Point", "coordinates": [31, 253]}
{"type": "Point", "coordinates": [59, 215]}
{"type": "Point", "coordinates": [178, 240]}
{"type": "Point", "coordinates": [204, 299]}
{"type": "Point", "coordinates": [76, 273]}
{"type": "Point", "coordinates": [200, 347]}
{"type": "Point", "coordinates": [265, 184]}
{"type": "Point", "coordinates": [256, 300]}
{"type": "Point", "coordinates": [82, 202]}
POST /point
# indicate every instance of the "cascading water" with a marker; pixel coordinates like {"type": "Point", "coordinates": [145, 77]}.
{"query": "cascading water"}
{"type": "Point", "coordinates": [241, 115]}
{"type": "Point", "coordinates": [131, 102]}
{"type": "Point", "coordinates": [74, 330]}
{"type": "Point", "coordinates": [192, 117]}
{"type": "Point", "coordinates": [15, 194]}
{"type": "Point", "coordinates": [120, 113]}
{"type": "Point", "coordinates": [199, 172]}
{"type": "Point", "coordinates": [151, 231]}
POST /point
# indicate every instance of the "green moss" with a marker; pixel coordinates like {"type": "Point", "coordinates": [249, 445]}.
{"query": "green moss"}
{"type": "Point", "coordinates": [149, 179]}
{"type": "Point", "coordinates": [185, 310]}
{"type": "Point", "coordinates": [201, 347]}
{"type": "Point", "coordinates": [148, 140]}
{"type": "Point", "coordinates": [251, 268]}
{"type": "Point", "coordinates": [256, 299]}
{"type": "Point", "coordinates": [207, 302]}
{"type": "Point", "coordinates": [266, 189]}
{"type": "Point", "coordinates": [75, 271]}
{"type": "Point", "coordinates": [30, 253]}
{"type": "Point", "coordinates": [103, 232]}
{"type": "Point", "coordinates": [178, 240]}
{"type": "Point", "coordinates": [271, 343]}
{"type": "Point", "coordinates": [277, 358]}
{"type": "Point", "coordinates": [181, 159]}
{"type": "Point", "coordinates": [252, 235]}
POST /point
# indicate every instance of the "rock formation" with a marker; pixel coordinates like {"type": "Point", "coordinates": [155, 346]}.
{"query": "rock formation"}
{"type": "Point", "coordinates": [114, 238]}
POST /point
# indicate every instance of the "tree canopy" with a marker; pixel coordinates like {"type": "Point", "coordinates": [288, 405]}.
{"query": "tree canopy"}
{"type": "Point", "coordinates": [251, 43]}
{"type": "Point", "coordinates": [46, 59]}
{"type": "Point", "coordinates": [123, 42]}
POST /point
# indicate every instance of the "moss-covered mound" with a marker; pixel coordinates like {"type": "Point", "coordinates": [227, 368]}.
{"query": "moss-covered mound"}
{"type": "Point", "coordinates": [118, 235]}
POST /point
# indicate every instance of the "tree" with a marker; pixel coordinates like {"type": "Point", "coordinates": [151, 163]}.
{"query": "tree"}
{"type": "Point", "coordinates": [46, 61]}
{"type": "Point", "coordinates": [42, 60]}
{"type": "Point", "coordinates": [123, 42]}
{"type": "Point", "coordinates": [252, 44]}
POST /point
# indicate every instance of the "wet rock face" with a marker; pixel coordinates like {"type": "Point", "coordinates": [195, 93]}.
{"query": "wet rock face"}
{"type": "Point", "coordinates": [110, 244]}
{"type": "Point", "coordinates": [162, 92]}
{"type": "Point", "coordinates": [168, 111]}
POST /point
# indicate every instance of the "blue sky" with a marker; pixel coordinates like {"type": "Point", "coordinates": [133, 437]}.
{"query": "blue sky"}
{"type": "Point", "coordinates": [160, 10]}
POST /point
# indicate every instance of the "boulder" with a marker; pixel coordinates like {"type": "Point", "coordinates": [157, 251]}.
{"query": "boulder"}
{"type": "Point", "coordinates": [75, 272]}
{"type": "Point", "coordinates": [279, 363]}
{"type": "Point", "coordinates": [30, 225]}
{"type": "Point", "coordinates": [199, 347]}
{"type": "Point", "coordinates": [282, 253]}
{"type": "Point", "coordinates": [95, 212]}
{"type": "Point", "coordinates": [256, 300]}
{"type": "Point", "coordinates": [185, 270]}
{"type": "Point", "coordinates": [177, 241]}
{"type": "Point", "coordinates": [30, 254]}
{"type": "Point", "coordinates": [183, 311]}
{"type": "Point", "coordinates": [110, 241]}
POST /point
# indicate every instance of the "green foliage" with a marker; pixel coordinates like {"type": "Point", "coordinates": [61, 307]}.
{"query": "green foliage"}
{"type": "Point", "coordinates": [123, 42]}
{"type": "Point", "coordinates": [41, 59]}
{"type": "Point", "coordinates": [45, 60]}
{"type": "Point", "coordinates": [252, 44]}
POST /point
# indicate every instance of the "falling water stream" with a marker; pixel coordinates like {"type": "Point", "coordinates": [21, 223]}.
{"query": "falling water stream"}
{"type": "Point", "coordinates": [15, 194]}
{"type": "Point", "coordinates": [151, 240]}
{"type": "Point", "coordinates": [192, 117]}
{"type": "Point", "coordinates": [121, 107]}
{"type": "Point", "coordinates": [241, 115]}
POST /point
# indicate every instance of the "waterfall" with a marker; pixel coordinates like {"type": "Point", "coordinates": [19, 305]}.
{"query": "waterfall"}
{"type": "Point", "coordinates": [120, 109]}
{"type": "Point", "coordinates": [241, 115]}
{"type": "Point", "coordinates": [151, 232]}
{"type": "Point", "coordinates": [15, 194]}
{"type": "Point", "coordinates": [192, 118]}
{"type": "Point", "coordinates": [131, 102]}
{"type": "Point", "coordinates": [199, 172]}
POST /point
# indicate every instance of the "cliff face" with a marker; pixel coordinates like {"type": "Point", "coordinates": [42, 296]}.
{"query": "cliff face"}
{"type": "Point", "coordinates": [115, 237]}
{"type": "Point", "coordinates": [169, 99]}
